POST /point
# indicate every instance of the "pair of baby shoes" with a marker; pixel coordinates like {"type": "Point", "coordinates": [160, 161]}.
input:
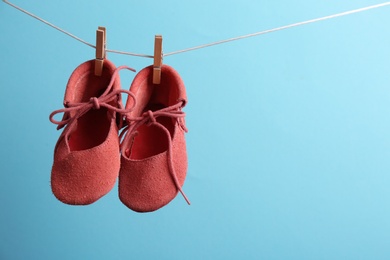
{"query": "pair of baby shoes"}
{"type": "Point", "coordinates": [149, 155]}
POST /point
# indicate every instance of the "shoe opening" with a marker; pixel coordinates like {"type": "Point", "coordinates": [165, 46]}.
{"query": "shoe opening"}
{"type": "Point", "coordinates": [151, 140]}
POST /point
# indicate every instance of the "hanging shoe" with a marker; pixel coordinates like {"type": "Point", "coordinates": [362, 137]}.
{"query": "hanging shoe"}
{"type": "Point", "coordinates": [154, 158]}
{"type": "Point", "coordinates": [86, 156]}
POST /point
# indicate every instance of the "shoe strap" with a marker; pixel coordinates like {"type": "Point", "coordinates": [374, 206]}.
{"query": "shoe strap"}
{"type": "Point", "coordinates": [80, 108]}
{"type": "Point", "coordinates": [149, 118]}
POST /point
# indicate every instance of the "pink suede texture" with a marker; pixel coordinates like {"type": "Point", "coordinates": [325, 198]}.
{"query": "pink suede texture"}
{"type": "Point", "coordinates": [86, 164]}
{"type": "Point", "coordinates": [145, 181]}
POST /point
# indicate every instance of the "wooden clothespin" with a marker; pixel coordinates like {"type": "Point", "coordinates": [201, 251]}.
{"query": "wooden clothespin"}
{"type": "Point", "coordinates": [158, 57]}
{"type": "Point", "coordinates": [100, 50]}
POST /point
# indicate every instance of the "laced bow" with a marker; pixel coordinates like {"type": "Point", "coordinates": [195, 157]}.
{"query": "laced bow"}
{"type": "Point", "coordinates": [149, 118]}
{"type": "Point", "coordinates": [81, 108]}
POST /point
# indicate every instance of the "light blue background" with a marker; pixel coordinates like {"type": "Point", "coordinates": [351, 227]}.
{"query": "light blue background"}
{"type": "Point", "coordinates": [289, 140]}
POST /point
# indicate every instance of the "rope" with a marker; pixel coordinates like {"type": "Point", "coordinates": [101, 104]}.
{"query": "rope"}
{"type": "Point", "coordinates": [208, 44]}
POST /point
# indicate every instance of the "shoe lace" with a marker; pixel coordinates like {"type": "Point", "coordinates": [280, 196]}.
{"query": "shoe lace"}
{"type": "Point", "coordinates": [81, 108]}
{"type": "Point", "coordinates": [149, 118]}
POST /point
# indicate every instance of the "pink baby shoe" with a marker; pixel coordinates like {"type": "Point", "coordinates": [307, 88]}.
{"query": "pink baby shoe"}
{"type": "Point", "coordinates": [86, 156]}
{"type": "Point", "coordinates": [154, 157]}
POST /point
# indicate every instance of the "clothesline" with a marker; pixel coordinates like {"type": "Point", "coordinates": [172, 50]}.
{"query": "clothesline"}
{"type": "Point", "coordinates": [208, 44]}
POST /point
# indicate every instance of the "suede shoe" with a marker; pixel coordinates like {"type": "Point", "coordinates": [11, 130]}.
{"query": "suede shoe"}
{"type": "Point", "coordinates": [154, 158]}
{"type": "Point", "coordinates": [86, 156]}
